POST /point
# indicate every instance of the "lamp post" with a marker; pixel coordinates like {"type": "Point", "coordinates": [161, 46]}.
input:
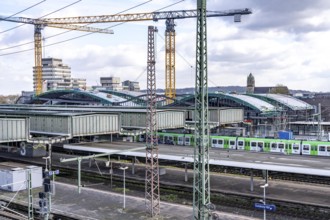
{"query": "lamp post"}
{"type": "Point", "coordinates": [46, 159]}
{"type": "Point", "coordinates": [264, 200]}
{"type": "Point", "coordinates": [123, 169]}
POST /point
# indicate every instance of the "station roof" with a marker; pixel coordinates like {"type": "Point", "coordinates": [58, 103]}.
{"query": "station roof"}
{"type": "Point", "coordinates": [286, 100]}
{"type": "Point", "coordinates": [257, 103]}
{"type": "Point", "coordinates": [240, 100]}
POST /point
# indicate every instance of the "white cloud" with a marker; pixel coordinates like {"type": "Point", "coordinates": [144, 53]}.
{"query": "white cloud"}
{"type": "Point", "coordinates": [282, 42]}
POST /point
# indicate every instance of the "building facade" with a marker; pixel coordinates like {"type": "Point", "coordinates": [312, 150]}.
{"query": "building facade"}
{"type": "Point", "coordinates": [111, 83]}
{"type": "Point", "coordinates": [56, 75]}
{"type": "Point", "coordinates": [131, 86]}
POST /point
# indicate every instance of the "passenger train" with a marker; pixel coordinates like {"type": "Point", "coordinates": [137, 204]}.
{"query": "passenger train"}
{"type": "Point", "coordinates": [300, 147]}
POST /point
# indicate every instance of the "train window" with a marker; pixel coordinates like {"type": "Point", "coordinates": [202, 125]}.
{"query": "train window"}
{"type": "Point", "coordinates": [214, 141]}
{"type": "Point", "coordinates": [280, 145]}
{"type": "Point", "coordinates": [253, 144]}
{"type": "Point", "coordinates": [220, 141]}
{"type": "Point", "coordinates": [295, 146]}
{"type": "Point", "coordinates": [274, 145]}
{"type": "Point", "coordinates": [180, 138]}
{"type": "Point", "coordinates": [187, 139]}
{"type": "Point", "coordinates": [305, 147]}
{"type": "Point", "coordinates": [240, 143]}
{"type": "Point", "coordinates": [170, 138]}
{"type": "Point", "coordinates": [231, 143]}
{"type": "Point", "coordinates": [321, 148]}
{"type": "Point", "coordinates": [328, 148]}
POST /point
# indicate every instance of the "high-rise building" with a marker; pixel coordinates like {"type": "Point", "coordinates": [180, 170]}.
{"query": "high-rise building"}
{"type": "Point", "coordinates": [111, 83]}
{"type": "Point", "coordinates": [56, 75]}
{"type": "Point", "coordinates": [131, 86]}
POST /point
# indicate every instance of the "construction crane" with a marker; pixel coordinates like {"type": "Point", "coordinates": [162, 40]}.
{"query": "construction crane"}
{"type": "Point", "coordinates": [38, 26]}
{"type": "Point", "coordinates": [169, 16]}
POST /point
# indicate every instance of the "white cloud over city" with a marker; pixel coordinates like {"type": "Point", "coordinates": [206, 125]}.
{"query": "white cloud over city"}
{"type": "Point", "coordinates": [282, 42]}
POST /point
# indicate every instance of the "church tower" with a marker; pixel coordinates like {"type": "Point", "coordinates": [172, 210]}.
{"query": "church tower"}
{"type": "Point", "coordinates": [250, 84]}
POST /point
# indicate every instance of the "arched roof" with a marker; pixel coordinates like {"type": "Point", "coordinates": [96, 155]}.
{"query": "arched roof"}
{"type": "Point", "coordinates": [241, 100]}
{"type": "Point", "coordinates": [285, 100]}
{"type": "Point", "coordinates": [75, 97]}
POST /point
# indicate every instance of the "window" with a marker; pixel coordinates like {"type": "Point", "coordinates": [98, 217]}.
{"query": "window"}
{"type": "Point", "coordinates": [305, 147]}
{"type": "Point", "coordinates": [214, 141]}
{"type": "Point", "coordinates": [180, 138]}
{"type": "Point", "coordinates": [231, 143]}
{"type": "Point", "coordinates": [321, 148]}
{"type": "Point", "coordinates": [220, 142]}
{"type": "Point", "coordinates": [240, 143]}
{"type": "Point", "coordinates": [273, 145]}
{"type": "Point", "coordinates": [280, 145]}
{"type": "Point", "coordinates": [328, 148]}
{"type": "Point", "coordinates": [187, 139]}
{"type": "Point", "coordinates": [253, 144]}
{"type": "Point", "coordinates": [260, 144]}
{"type": "Point", "coordinates": [295, 146]}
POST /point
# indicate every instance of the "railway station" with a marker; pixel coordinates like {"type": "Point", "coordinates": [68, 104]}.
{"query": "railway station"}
{"type": "Point", "coordinates": [115, 150]}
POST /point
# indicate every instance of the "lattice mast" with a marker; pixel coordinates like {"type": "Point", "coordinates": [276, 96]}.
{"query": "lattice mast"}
{"type": "Point", "coordinates": [152, 169]}
{"type": "Point", "coordinates": [201, 197]}
{"type": "Point", "coordinates": [170, 91]}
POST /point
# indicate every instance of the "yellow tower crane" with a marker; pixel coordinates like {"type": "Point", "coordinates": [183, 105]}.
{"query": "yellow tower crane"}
{"type": "Point", "coordinates": [169, 16]}
{"type": "Point", "coordinates": [39, 24]}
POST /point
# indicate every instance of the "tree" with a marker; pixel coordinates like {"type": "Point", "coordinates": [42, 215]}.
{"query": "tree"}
{"type": "Point", "coordinates": [280, 89]}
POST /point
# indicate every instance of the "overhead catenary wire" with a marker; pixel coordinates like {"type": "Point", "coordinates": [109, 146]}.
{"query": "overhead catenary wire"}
{"type": "Point", "coordinates": [23, 10]}
{"type": "Point", "coordinates": [67, 31]}
{"type": "Point", "coordinates": [74, 38]}
{"type": "Point", "coordinates": [60, 9]}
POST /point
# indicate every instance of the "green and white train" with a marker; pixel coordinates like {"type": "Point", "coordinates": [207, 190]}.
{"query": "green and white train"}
{"type": "Point", "coordinates": [300, 147]}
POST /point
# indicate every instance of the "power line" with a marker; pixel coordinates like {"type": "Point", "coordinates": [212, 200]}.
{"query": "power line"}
{"type": "Point", "coordinates": [74, 38]}
{"type": "Point", "coordinates": [43, 16]}
{"type": "Point", "coordinates": [23, 10]}
{"type": "Point", "coordinates": [64, 32]}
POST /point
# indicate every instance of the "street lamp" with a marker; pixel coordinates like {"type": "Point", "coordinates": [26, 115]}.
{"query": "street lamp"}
{"type": "Point", "coordinates": [123, 169]}
{"type": "Point", "coordinates": [46, 158]}
{"type": "Point", "coordinates": [264, 200]}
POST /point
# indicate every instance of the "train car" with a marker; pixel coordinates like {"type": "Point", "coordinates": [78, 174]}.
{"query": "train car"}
{"type": "Point", "coordinates": [297, 147]}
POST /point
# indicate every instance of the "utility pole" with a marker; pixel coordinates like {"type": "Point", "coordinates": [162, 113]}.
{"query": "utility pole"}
{"type": "Point", "coordinates": [201, 191]}
{"type": "Point", "coordinates": [152, 194]}
{"type": "Point", "coordinates": [319, 126]}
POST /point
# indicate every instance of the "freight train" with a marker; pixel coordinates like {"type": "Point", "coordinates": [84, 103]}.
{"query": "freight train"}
{"type": "Point", "coordinates": [300, 147]}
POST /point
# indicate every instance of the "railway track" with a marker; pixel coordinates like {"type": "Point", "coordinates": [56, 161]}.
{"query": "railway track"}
{"type": "Point", "coordinates": [183, 194]}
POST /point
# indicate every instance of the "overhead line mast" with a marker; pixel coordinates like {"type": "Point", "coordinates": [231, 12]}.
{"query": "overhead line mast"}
{"type": "Point", "coordinates": [152, 194]}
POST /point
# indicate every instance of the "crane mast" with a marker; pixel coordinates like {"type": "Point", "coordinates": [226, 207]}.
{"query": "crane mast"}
{"type": "Point", "coordinates": [169, 17]}
{"type": "Point", "coordinates": [38, 26]}
{"type": "Point", "coordinates": [170, 91]}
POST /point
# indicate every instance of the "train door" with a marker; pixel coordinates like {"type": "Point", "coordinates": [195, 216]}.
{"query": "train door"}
{"type": "Point", "coordinates": [221, 143]}
{"type": "Point", "coordinates": [306, 149]}
{"type": "Point", "coordinates": [273, 147]}
{"type": "Point", "coordinates": [281, 147]}
{"type": "Point", "coordinates": [295, 148]}
{"type": "Point", "coordinates": [240, 145]}
{"type": "Point", "coordinates": [253, 146]}
{"type": "Point", "coordinates": [187, 141]}
{"type": "Point", "coordinates": [168, 140]}
{"type": "Point", "coordinates": [180, 140]}
{"type": "Point", "coordinates": [260, 146]}
{"type": "Point", "coordinates": [232, 144]}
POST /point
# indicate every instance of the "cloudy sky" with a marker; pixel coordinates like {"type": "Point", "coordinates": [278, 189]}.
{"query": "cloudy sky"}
{"type": "Point", "coordinates": [282, 42]}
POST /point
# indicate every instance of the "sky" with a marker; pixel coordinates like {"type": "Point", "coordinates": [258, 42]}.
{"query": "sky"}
{"type": "Point", "coordinates": [282, 42]}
